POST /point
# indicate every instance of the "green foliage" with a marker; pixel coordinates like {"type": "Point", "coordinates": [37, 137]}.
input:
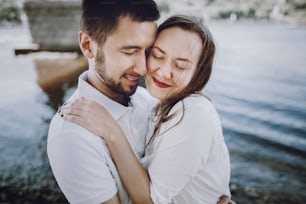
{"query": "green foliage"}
{"type": "Point", "coordinates": [9, 11]}
{"type": "Point", "coordinates": [163, 7]}
{"type": "Point", "coordinates": [227, 14]}
{"type": "Point", "coordinates": [301, 6]}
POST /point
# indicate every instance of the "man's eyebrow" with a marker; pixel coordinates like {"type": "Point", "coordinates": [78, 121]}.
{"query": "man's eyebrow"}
{"type": "Point", "coordinates": [129, 47]}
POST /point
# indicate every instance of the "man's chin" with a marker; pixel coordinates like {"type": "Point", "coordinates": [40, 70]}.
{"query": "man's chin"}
{"type": "Point", "coordinates": [131, 91]}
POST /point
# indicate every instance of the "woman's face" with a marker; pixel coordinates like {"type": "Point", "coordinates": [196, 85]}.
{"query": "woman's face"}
{"type": "Point", "coordinates": [172, 62]}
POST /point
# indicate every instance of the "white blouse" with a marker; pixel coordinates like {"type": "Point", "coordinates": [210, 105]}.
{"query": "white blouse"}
{"type": "Point", "coordinates": [189, 162]}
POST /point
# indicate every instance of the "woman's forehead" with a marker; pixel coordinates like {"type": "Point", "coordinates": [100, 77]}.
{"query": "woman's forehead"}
{"type": "Point", "coordinates": [180, 42]}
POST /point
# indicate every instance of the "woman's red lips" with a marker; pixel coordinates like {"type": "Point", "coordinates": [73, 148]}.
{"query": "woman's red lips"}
{"type": "Point", "coordinates": [160, 84]}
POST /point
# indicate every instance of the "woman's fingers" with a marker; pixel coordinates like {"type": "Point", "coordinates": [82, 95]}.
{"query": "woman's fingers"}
{"type": "Point", "coordinates": [80, 107]}
{"type": "Point", "coordinates": [74, 119]}
{"type": "Point", "coordinates": [87, 114]}
{"type": "Point", "coordinates": [77, 116]}
{"type": "Point", "coordinates": [225, 200]}
{"type": "Point", "coordinates": [78, 104]}
{"type": "Point", "coordinates": [86, 105]}
{"type": "Point", "coordinates": [72, 111]}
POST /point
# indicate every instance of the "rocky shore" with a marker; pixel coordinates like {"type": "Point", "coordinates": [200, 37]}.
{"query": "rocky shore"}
{"type": "Point", "coordinates": [284, 11]}
{"type": "Point", "coordinates": [293, 11]}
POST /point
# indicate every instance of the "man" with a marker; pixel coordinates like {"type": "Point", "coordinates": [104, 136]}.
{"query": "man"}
{"type": "Point", "coordinates": [114, 37]}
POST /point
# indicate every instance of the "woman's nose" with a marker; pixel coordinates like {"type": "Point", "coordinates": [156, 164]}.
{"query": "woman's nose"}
{"type": "Point", "coordinates": [165, 71]}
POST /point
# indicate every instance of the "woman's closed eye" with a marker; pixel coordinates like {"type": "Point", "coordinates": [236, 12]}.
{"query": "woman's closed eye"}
{"type": "Point", "coordinates": [157, 56]}
{"type": "Point", "coordinates": [182, 65]}
{"type": "Point", "coordinates": [156, 53]}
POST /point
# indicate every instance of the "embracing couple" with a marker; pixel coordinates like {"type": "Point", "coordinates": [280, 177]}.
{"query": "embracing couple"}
{"type": "Point", "coordinates": [115, 142]}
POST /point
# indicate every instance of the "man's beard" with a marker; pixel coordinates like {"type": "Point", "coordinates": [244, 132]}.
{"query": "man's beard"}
{"type": "Point", "coordinates": [110, 83]}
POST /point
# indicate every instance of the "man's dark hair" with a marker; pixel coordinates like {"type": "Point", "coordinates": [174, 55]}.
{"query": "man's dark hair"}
{"type": "Point", "coordinates": [100, 17]}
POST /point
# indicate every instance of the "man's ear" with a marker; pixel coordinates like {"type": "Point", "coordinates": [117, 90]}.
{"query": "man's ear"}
{"type": "Point", "coordinates": [86, 45]}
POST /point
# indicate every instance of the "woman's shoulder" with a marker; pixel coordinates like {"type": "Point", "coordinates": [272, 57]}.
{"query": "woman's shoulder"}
{"type": "Point", "coordinates": [197, 102]}
{"type": "Point", "coordinates": [197, 99]}
{"type": "Point", "coordinates": [201, 107]}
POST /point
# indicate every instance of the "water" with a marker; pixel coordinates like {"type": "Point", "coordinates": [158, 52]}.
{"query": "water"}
{"type": "Point", "coordinates": [25, 112]}
{"type": "Point", "coordinates": [258, 87]}
{"type": "Point", "coordinates": [261, 82]}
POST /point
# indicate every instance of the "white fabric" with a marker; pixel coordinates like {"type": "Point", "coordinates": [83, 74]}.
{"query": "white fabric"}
{"type": "Point", "coordinates": [81, 162]}
{"type": "Point", "coordinates": [189, 162]}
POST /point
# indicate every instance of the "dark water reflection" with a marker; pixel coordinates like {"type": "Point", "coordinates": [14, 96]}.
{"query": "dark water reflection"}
{"type": "Point", "coordinates": [259, 89]}
{"type": "Point", "coordinates": [25, 111]}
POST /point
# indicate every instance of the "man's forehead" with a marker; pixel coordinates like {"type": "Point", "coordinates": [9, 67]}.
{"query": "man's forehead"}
{"type": "Point", "coordinates": [131, 30]}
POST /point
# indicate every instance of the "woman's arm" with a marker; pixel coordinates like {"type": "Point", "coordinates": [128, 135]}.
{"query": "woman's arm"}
{"type": "Point", "coordinates": [134, 176]}
{"type": "Point", "coordinates": [89, 115]}
{"type": "Point", "coordinates": [114, 200]}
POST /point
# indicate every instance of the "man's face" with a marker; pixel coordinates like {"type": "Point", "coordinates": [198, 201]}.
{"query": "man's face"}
{"type": "Point", "coordinates": [122, 60]}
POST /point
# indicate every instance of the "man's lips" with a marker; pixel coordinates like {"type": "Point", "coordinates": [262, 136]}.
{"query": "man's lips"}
{"type": "Point", "coordinates": [160, 84]}
{"type": "Point", "coordinates": [131, 78]}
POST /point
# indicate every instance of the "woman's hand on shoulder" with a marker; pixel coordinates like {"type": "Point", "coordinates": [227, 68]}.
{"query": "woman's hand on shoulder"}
{"type": "Point", "coordinates": [90, 115]}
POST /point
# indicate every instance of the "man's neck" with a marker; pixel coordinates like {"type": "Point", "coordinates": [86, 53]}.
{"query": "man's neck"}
{"type": "Point", "coordinates": [98, 84]}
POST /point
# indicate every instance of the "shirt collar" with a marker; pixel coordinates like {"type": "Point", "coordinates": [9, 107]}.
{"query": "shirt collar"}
{"type": "Point", "coordinates": [89, 92]}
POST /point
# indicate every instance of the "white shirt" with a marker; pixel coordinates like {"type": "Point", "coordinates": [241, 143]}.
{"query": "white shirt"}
{"type": "Point", "coordinates": [189, 162]}
{"type": "Point", "coordinates": [80, 160]}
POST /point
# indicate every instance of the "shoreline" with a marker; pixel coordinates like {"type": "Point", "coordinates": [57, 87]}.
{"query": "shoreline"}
{"type": "Point", "coordinates": [246, 21]}
{"type": "Point", "coordinates": [50, 193]}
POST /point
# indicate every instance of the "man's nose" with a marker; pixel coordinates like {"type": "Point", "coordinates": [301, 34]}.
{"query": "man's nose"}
{"type": "Point", "coordinates": [141, 65]}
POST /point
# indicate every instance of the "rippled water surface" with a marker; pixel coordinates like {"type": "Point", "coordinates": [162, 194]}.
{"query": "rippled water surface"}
{"type": "Point", "coordinates": [258, 87]}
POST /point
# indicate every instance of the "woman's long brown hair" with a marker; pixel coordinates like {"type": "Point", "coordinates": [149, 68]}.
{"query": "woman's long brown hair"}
{"type": "Point", "coordinates": [202, 72]}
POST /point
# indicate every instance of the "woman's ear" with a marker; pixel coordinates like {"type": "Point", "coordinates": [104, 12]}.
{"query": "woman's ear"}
{"type": "Point", "coordinates": [86, 45]}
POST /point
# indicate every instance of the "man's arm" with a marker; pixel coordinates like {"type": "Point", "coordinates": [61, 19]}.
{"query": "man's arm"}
{"type": "Point", "coordinates": [79, 163]}
{"type": "Point", "coordinates": [133, 175]}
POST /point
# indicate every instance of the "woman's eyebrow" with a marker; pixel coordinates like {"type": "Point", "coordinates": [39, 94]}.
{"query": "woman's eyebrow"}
{"type": "Point", "coordinates": [159, 49]}
{"type": "Point", "coordinates": [180, 58]}
{"type": "Point", "coordinates": [185, 60]}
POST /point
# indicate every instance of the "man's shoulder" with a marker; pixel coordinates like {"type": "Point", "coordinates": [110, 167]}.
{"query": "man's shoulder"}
{"type": "Point", "coordinates": [70, 134]}
{"type": "Point", "coordinates": [142, 97]}
{"type": "Point", "coordinates": [80, 162]}
{"type": "Point", "coordinates": [59, 126]}
{"type": "Point", "coordinates": [142, 92]}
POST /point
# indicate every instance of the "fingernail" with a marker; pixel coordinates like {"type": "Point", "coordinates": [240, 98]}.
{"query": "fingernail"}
{"type": "Point", "coordinates": [59, 110]}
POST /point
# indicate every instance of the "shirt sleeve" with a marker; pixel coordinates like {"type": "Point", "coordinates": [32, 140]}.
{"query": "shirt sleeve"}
{"type": "Point", "coordinates": [180, 152]}
{"type": "Point", "coordinates": [80, 167]}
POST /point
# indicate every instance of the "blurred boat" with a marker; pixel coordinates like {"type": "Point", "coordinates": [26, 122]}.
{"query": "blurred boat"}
{"type": "Point", "coordinates": [54, 24]}
{"type": "Point", "coordinates": [53, 73]}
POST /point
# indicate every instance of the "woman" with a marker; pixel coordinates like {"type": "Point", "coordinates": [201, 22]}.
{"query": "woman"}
{"type": "Point", "coordinates": [186, 158]}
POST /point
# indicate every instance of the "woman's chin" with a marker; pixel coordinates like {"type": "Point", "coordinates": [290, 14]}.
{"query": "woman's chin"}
{"type": "Point", "coordinates": [155, 95]}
